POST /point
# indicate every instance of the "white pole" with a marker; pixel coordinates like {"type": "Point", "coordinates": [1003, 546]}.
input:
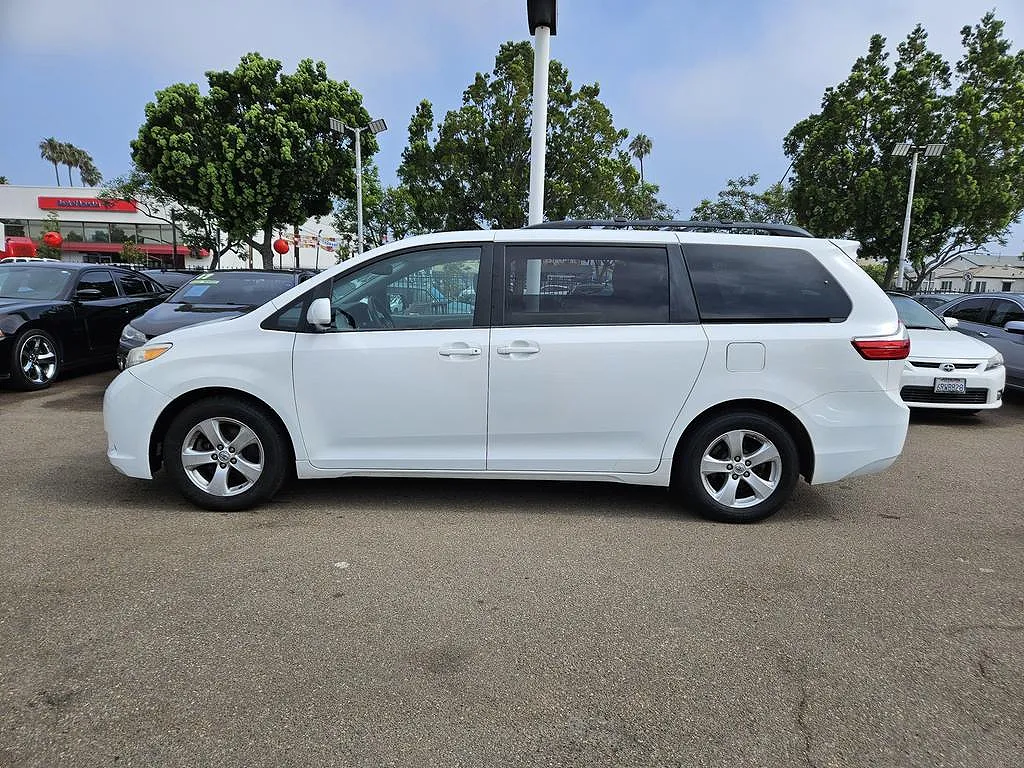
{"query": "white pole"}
{"type": "Point", "coordinates": [538, 148]}
{"type": "Point", "coordinates": [359, 190]}
{"type": "Point", "coordinates": [906, 224]}
{"type": "Point", "coordinates": [538, 144]}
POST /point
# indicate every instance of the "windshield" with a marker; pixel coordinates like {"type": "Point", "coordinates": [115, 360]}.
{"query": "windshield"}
{"type": "Point", "coordinates": [33, 283]}
{"type": "Point", "coordinates": [914, 315]}
{"type": "Point", "coordinates": [243, 288]}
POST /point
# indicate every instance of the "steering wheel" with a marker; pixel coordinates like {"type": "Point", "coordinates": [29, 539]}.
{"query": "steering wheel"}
{"type": "Point", "coordinates": [380, 313]}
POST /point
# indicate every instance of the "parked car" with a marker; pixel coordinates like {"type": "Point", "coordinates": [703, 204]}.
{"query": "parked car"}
{"type": "Point", "coordinates": [723, 365]}
{"type": "Point", "coordinates": [998, 320]}
{"type": "Point", "coordinates": [25, 260]}
{"type": "Point", "coordinates": [208, 296]}
{"type": "Point", "coordinates": [946, 369]}
{"type": "Point", "coordinates": [171, 278]}
{"type": "Point", "coordinates": [58, 315]}
{"type": "Point", "coordinates": [933, 300]}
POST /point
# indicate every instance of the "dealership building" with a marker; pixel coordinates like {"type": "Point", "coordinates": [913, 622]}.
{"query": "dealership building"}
{"type": "Point", "coordinates": [95, 230]}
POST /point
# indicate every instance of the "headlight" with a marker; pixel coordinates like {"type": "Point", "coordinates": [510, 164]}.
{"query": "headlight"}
{"type": "Point", "coordinates": [145, 354]}
{"type": "Point", "coordinates": [994, 362]}
{"type": "Point", "coordinates": [131, 333]}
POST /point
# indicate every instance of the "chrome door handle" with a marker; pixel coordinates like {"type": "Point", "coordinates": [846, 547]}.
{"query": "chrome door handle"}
{"type": "Point", "coordinates": [459, 351]}
{"type": "Point", "coordinates": [982, 333]}
{"type": "Point", "coordinates": [520, 348]}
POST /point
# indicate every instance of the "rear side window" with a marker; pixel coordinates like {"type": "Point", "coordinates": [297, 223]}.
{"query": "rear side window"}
{"type": "Point", "coordinates": [969, 310]}
{"type": "Point", "coordinates": [585, 285]}
{"type": "Point", "coordinates": [753, 284]}
{"type": "Point", "coordinates": [1004, 311]}
{"type": "Point", "coordinates": [98, 280]}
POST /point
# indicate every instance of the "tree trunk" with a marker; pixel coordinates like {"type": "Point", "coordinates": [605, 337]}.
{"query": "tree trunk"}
{"type": "Point", "coordinates": [641, 170]}
{"type": "Point", "coordinates": [890, 272]}
{"type": "Point", "coordinates": [56, 172]}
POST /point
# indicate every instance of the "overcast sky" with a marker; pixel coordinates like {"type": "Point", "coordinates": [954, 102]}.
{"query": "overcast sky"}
{"type": "Point", "coordinates": [715, 85]}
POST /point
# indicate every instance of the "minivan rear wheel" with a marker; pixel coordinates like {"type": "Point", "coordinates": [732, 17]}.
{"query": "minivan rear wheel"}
{"type": "Point", "coordinates": [225, 454]}
{"type": "Point", "coordinates": [738, 467]}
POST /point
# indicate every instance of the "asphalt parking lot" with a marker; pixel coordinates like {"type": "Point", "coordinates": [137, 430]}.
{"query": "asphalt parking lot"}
{"type": "Point", "coordinates": [874, 622]}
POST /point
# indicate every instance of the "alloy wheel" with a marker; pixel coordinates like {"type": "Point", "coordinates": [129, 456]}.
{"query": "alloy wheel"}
{"type": "Point", "coordinates": [740, 468]}
{"type": "Point", "coordinates": [222, 456]}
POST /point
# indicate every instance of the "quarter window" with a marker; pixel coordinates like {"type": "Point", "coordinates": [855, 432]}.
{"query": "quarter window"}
{"type": "Point", "coordinates": [585, 285]}
{"type": "Point", "coordinates": [752, 284]}
{"type": "Point", "coordinates": [133, 285]}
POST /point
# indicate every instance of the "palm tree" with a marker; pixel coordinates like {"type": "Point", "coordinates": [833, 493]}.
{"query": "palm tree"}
{"type": "Point", "coordinates": [88, 172]}
{"type": "Point", "coordinates": [70, 155]}
{"type": "Point", "coordinates": [50, 151]}
{"type": "Point", "coordinates": [640, 147]}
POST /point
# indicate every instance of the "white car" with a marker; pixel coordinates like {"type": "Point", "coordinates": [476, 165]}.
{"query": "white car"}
{"type": "Point", "coordinates": [724, 365]}
{"type": "Point", "coordinates": [947, 369]}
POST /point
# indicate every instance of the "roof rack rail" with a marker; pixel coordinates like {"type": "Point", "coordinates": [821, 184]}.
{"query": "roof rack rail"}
{"type": "Point", "coordinates": [784, 230]}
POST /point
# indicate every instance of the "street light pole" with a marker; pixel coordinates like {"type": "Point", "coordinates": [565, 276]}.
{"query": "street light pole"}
{"type": "Point", "coordinates": [901, 277]}
{"type": "Point", "coordinates": [542, 17]}
{"type": "Point", "coordinates": [375, 127]}
{"type": "Point", "coordinates": [902, 150]}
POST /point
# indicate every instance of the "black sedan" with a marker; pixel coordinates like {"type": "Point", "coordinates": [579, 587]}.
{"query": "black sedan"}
{"type": "Point", "coordinates": [209, 296]}
{"type": "Point", "coordinates": [57, 315]}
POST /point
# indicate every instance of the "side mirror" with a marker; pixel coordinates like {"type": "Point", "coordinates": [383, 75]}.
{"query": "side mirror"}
{"type": "Point", "coordinates": [1014, 326]}
{"type": "Point", "coordinates": [88, 294]}
{"type": "Point", "coordinates": [951, 322]}
{"type": "Point", "coordinates": [319, 314]}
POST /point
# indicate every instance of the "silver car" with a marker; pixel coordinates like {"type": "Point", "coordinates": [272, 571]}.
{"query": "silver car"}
{"type": "Point", "coordinates": [998, 320]}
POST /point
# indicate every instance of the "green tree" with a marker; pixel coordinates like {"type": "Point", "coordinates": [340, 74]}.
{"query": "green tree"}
{"type": "Point", "coordinates": [640, 147]}
{"type": "Point", "coordinates": [50, 151]}
{"type": "Point", "coordinates": [50, 224]}
{"type": "Point", "coordinates": [848, 184]}
{"type": "Point", "coordinates": [3, 180]}
{"type": "Point", "coordinates": [132, 254]}
{"type": "Point", "coordinates": [388, 212]}
{"type": "Point", "coordinates": [198, 228]}
{"type": "Point", "coordinates": [739, 202]}
{"type": "Point", "coordinates": [255, 152]}
{"type": "Point", "coordinates": [474, 172]}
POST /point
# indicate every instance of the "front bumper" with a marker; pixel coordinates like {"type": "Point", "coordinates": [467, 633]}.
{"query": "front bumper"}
{"type": "Point", "coordinates": [130, 411]}
{"type": "Point", "coordinates": [984, 388]}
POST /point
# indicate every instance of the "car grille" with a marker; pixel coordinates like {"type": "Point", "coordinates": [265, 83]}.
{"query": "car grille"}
{"type": "Point", "coordinates": [974, 396]}
{"type": "Point", "coordinates": [957, 366]}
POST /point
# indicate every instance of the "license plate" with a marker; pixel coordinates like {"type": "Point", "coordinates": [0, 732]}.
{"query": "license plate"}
{"type": "Point", "coordinates": [953, 386]}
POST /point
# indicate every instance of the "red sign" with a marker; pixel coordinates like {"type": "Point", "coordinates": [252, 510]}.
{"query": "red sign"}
{"type": "Point", "coordinates": [86, 204]}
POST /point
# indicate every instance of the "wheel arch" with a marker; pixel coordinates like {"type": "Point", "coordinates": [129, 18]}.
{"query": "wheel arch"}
{"type": "Point", "coordinates": [785, 417]}
{"type": "Point", "coordinates": [180, 403]}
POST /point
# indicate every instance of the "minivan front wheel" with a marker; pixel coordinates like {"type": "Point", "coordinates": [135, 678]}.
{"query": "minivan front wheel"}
{"type": "Point", "coordinates": [225, 454]}
{"type": "Point", "coordinates": [739, 467]}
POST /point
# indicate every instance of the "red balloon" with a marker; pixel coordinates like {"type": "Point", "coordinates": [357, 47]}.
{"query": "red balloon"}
{"type": "Point", "coordinates": [53, 239]}
{"type": "Point", "coordinates": [281, 246]}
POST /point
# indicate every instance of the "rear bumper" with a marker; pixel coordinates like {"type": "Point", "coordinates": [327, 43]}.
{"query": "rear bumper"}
{"type": "Point", "coordinates": [854, 433]}
{"type": "Point", "coordinates": [130, 411]}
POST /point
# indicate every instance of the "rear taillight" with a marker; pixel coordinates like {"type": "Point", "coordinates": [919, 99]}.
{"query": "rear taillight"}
{"type": "Point", "coordinates": [886, 348]}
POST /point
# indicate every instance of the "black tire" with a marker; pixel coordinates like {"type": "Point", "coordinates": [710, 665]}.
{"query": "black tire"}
{"type": "Point", "coordinates": [223, 469]}
{"type": "Point", "coordinates": [777, 478]}
{"type": "Point", "coordinates": [39, 351]}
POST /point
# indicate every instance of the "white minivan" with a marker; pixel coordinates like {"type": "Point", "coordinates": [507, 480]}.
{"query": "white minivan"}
{"type": "Point", "coordinates": [725, 365]}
